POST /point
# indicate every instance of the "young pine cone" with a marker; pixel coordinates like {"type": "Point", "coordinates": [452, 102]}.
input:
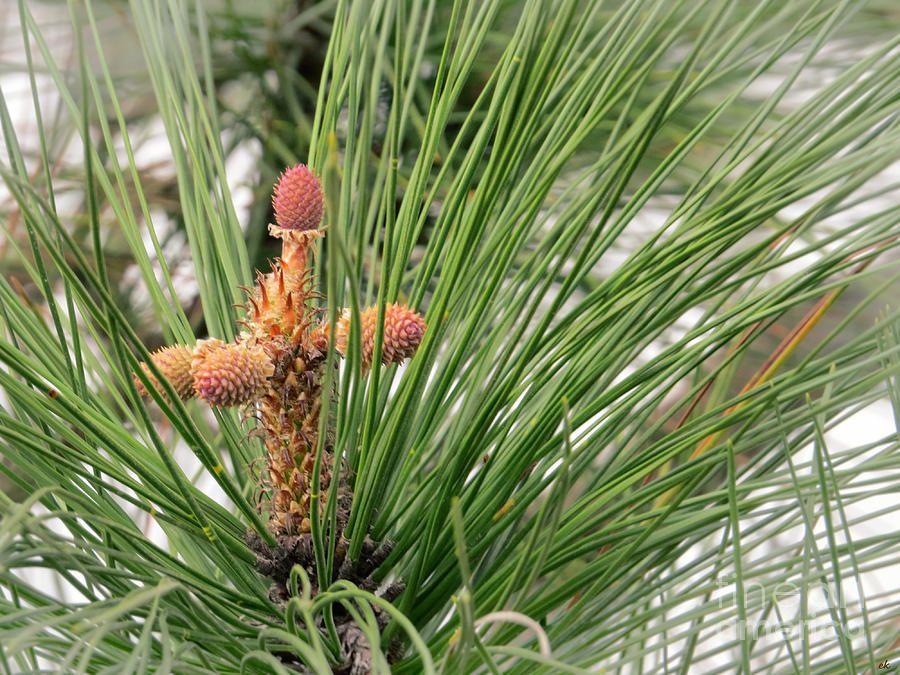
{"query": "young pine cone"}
{"type": "Point", "coordinates": [229, 374]}
{"type": "Point", "coordinates": [175, 364]}
{"type": "Point", "coordinates": [403, 331]}
{"type": "Point", "coordinates": [298, 200]}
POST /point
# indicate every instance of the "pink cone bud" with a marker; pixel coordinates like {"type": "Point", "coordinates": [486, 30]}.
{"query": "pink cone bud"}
{"type": "Point", "coordinates": [175, 364]}
{"type": "Point", "coordinates": [229, 374]}
{"type": "Point", "coordinates": [403, 331]}
{"type": "Point", "coordinates": [298, 200]}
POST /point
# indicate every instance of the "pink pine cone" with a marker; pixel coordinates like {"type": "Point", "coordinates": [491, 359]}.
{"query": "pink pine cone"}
{"type": "Point", "coordinates": [175, 364]}
{"type": "Point", "coordinates": [403, 331]}
{"type": "Point", "coordinates": [229, 374]}
{"type": "Point", "coordinates": [298, 200]}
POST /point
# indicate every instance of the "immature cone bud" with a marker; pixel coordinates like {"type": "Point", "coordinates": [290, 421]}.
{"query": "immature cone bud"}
{"type": "Point", "coordinates": [298, 199]}
{"type": "Point", "coordinates": [403, 331]}
{"type": "Point", "coordinates": [229, 374]}
{"type": "Point", "coordinates": [175, 364]}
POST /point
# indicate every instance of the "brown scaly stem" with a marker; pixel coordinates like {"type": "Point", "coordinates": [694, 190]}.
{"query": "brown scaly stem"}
{"type": "Point", "coordinates": [275, 370]}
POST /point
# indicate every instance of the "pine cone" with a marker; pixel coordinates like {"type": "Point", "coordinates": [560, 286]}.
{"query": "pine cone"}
{"type": "Point", "coordinates": [229, 374]}
{"type": "Point", "coordinates": [403, 331]}
{"type": "Point", "coordinates": [298, 200]}
{"type": "Point", "coordinates": [175, 364]}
